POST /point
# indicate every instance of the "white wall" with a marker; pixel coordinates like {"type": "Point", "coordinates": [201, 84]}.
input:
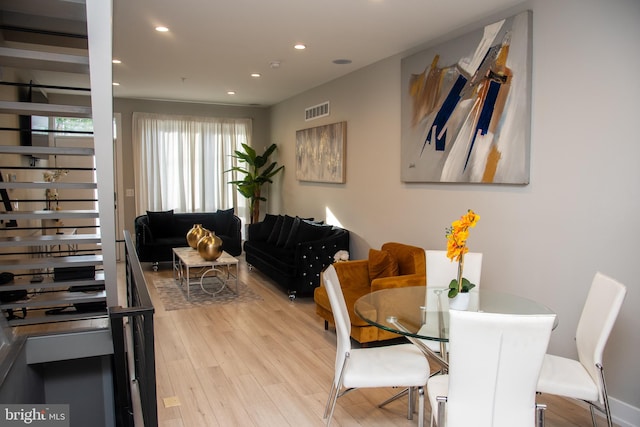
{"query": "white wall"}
{"type": "Point", "coordinates": [545, 240]}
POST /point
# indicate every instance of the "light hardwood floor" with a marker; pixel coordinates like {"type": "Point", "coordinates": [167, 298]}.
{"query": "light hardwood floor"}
{"type": "Point", "coordinates": [268, 363]}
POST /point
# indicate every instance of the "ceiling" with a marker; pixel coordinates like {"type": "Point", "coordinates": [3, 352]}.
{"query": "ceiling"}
{"type": "Point", "coordinates": [212, 47]}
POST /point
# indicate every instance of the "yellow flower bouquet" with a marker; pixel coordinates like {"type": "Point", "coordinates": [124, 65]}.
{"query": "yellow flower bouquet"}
{"type": "Point", "coordinates": [457, 236]}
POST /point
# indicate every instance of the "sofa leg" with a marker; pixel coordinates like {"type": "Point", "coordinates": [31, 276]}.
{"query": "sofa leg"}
{"type": "Point", "coordinates": [326, 325]}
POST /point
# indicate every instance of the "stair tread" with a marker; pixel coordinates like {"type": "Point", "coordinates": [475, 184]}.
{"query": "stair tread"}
{"type": "Point", "coordinates": [35, 150]}
{"type": "Point", "coordinates": [45, 61]}
{"type": "Point", "coordinates": [48, 283]}
{"type": "Point", "coordinates": [40, 109]}
{"type": "Point", "coordinates": [62, 317]}
{"type": "Point", "coordinates": [50, 299]}
{"type": "Point", "coordinates": [45, 185]}
{"type": "Point", "coordinates": [51, 262]}
{"type": "Point", "coordinates": [50, 214]}
{"type": "Point", "coordinates": [49, 239]}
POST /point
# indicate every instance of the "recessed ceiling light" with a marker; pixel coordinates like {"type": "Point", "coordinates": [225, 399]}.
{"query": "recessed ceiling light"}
{"type": "Point", "coordinates": [116, 61]}
{"type": "Point", "coordinates": [300, 46]}
{"type": "Point", "coordinates": [342, 61]}
{"type": "Point", "coordinates": [115, 84]}
{"type": "Point", "coordinates": [256, 75]}
{"type": "Point", "coordinates": [162, 29]}
{"type": "Point", "coordinates": [231, 92]}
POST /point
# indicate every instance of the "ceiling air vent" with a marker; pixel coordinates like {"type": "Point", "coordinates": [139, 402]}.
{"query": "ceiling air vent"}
{"type": "Point", "coordinates": [320, 110]}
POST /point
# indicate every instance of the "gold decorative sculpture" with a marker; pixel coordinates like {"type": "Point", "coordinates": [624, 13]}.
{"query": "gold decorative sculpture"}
{"type": "Point", "coordinates": [210, 246]}
{"type": "Point", "coordinates": [195, 234]}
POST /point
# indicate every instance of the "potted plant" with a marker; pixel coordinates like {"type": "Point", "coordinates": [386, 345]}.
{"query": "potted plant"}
{"type": "Point", "coordinates": [258, 171]}
{"type": "Point", "coordinates": [457, 236]}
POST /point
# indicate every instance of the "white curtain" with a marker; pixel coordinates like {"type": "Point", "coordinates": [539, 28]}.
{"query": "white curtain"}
{"type": "Point", "coordinates": [180, 162]}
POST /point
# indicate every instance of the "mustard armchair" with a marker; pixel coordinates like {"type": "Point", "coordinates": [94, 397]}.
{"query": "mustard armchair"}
{"type": "Point", "coordinates": [394, 265]}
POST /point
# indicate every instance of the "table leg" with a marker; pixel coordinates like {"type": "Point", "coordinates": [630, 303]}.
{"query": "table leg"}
{"type": "Point", "coordinates": [236, 275]}
{"type": "Point", "coordinates": [442, 358]}
{"type": "Point", "coordinates": [176, 271]}
{"type": "Point", "coordinates": [187, 280]}
{"type": "Point", "coordinates": [224, 282]}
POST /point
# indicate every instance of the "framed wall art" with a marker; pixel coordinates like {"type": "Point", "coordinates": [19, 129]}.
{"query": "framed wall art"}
{"type": "Point", "coordinates": [320, 153]}
{"type": "Point", "coordinates": [466, 107]}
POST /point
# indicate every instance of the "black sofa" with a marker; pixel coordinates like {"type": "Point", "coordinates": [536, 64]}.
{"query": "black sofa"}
{"type": "Point", "coordinates": [159, 232]}
{"type": "Point", "coordinates": [293, 251]}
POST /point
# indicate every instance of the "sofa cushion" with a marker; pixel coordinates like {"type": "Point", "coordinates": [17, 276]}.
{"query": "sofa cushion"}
{"type": "Point", "coordinates": [182, 225]}
{"type": "Point", "coordinates": [161, 223]}
{"type": "Point", "coordinates": [308, 231]}
{"type": "Point", "coordinates": [171, 241]}
{"type": "Point", "coordinates": [291, 238]}
{"type": "Point", "coordinates": [289, 225]}
{"type": "Point", "coordinates": [275, 231]}
{"type": "Point", "coordinates": [223, 220]}
{"type": "Point", "coordinates": [382, 264]}
{"type": "Point", "coordinates": [281, 259]}
{"type": "Point", "coordinates": [266, 226]}
{"type": "Point", "coordinates": [184, 222]}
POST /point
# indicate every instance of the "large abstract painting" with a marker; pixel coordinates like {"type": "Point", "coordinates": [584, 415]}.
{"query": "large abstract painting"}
{"type": "Point", "coordinates": [466, 107]}
{"type": "Point", "coordinates": [320, 153]}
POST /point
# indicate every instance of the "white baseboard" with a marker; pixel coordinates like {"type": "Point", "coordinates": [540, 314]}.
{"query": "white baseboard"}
{"type": "Point", "coordinates": [624, 414]}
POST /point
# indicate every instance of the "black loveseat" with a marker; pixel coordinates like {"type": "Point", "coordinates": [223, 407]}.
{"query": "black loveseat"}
{"type": "Point", "coordinates": [159, 232]}
{"type": "Point", "coordinates": [293, 251]}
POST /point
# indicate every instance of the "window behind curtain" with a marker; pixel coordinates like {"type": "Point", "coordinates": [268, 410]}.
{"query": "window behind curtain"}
{"type": "Point", "coordinates": [180, 162]}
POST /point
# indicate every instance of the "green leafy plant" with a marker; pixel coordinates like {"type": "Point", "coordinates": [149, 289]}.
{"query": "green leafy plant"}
{"type": "Point", "coordinates": [257, 172]}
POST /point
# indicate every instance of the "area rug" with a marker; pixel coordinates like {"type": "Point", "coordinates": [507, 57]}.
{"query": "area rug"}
{"type": "Point", "coordinates": [174, 298]}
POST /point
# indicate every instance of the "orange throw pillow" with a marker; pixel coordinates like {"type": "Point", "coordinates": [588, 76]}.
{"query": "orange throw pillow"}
{"type": "Point", "coordinates": [382, 264]}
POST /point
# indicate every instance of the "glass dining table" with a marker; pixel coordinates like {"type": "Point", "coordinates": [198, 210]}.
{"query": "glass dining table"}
{"type": "Point", "coordinates": [422, 313]}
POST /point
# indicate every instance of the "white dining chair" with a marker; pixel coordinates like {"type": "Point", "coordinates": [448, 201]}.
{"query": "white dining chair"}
{"type": "Point", "coordinates": [440, 271]}
{"type": "Point", "coordinates": [583, 379]}
{"type": "Point", "coordinates": [495, 387]}
{"type": "Point", "coordinates": [402, 365]}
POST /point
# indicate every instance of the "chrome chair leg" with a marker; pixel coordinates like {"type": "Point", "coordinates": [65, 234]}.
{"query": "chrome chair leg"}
{"type": "Point", "coordinates": [394, 397]}
{"type": "Point", "coordinates": [329, 400]}
{"type": "Point", "coordinates": [540, 409]}
{"type": "Point", "coordinates": [420, 406]}
{"type": "Point", "coordinates": [336, 392]}
{"type": "Point", "coordinates": [442, 401]}
{"type": "Point", "coordinates": [593, 416]}
{"type": "Point", "coordinates": [607, 409]}
{"type": "Point", "coordinates": [411, 403]}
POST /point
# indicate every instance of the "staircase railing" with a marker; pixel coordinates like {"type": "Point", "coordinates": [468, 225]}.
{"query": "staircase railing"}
{"type": "Point", "coordinates": [133, 342]}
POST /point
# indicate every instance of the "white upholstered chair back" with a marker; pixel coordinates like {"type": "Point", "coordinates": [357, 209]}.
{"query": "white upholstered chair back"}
{"type": "Point", "coordinates": [340, 316]}
{"type": "Point", "coordinates": [598, 316]}
{"type": "Point", "coordinates": [401, 365]}
{"type": "Point", "coordinates": [440, 269]}
{"type": "Point", "coordinates": [584, 378]}
{"type": "Point", "coordinates": [494, 361]}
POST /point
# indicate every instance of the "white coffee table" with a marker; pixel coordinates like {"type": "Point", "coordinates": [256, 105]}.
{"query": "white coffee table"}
{"type": "Point", "coordinates": [185, 259]}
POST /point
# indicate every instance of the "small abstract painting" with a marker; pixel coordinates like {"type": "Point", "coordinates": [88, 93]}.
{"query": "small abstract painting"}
{"type": "Point", "coordinates": [320, 153]}
{"type": "Point", "coordinates": [466, 107]}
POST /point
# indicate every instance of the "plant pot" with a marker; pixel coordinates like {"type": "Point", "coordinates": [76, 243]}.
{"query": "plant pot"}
{"type": "Point", "coordinates": [460, 301]}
